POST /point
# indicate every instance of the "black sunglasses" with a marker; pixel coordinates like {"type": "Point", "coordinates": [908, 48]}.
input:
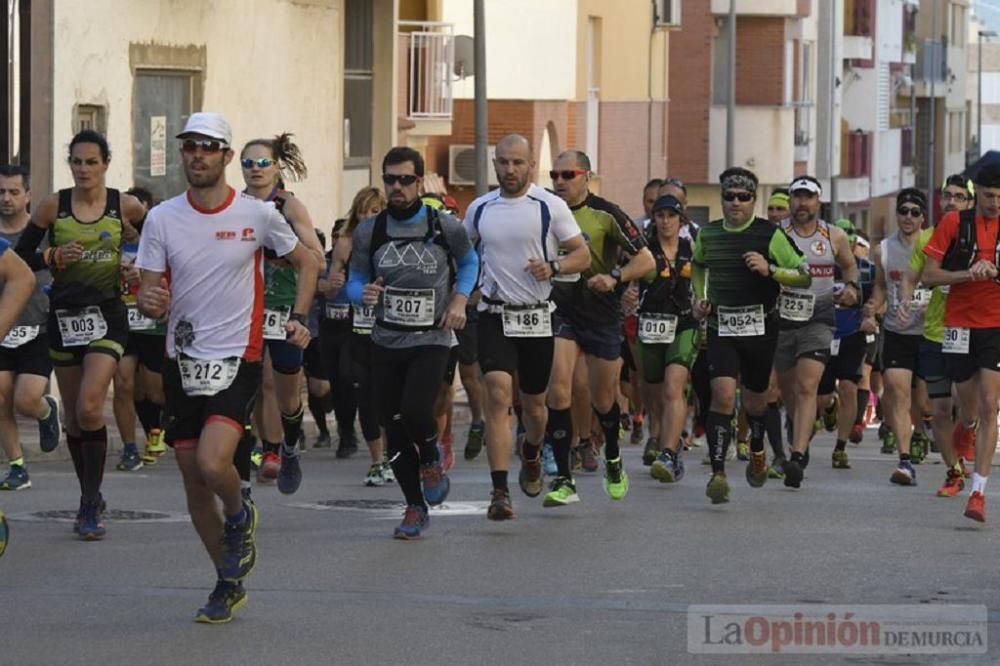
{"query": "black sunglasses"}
{"type": "Point", "coordinates": [733, 196]}
{"type": "Point", "coordinates": [404, 180]}
{"type": "Point", "coordinates": [912, 212]}
{"type": "Point", "coordinates": [207, 145]}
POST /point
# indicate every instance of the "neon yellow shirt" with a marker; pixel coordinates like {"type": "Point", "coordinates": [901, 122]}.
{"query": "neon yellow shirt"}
{"type": "Point", "coordinates": [934, 316]}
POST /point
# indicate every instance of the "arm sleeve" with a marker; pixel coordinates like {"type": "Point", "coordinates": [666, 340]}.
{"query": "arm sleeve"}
{"type": "Point", "coordinates": [27, 247]}
{"type": "Point", "coordinates": [791, 269]}
{"type": "Point", "coordinates": [944, 235]}
{"type": "Point", "coordinates": [698, 269]}
{"type": "Point", "coordinates": [360, 269]}
{"type": "Point", "coordinates": [468, 271]}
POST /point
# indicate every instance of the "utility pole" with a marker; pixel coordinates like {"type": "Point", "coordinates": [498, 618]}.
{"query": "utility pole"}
{"type": "Point", "coordinates": [479, 68]}
{"type": "Point", "coordinates": [731, 98]}
{"type": "Point", "coordinates": [932, 134]}
{"type": "Point", "coordinates": [833, 8]}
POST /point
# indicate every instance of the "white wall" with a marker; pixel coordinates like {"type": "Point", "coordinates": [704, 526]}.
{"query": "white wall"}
{"type": "Point", "coordinates": [860, 108]}
{"type": "Point", "coordinates": [886, 156]}
{"type": "Point", "coordinates": [271, 67]}
{"type": "Point", "coordinates": [530, 47]}
{"type": "Point", "coordinates": [889, 30]}
{"type": "Point", "coordinates": [765, 141]}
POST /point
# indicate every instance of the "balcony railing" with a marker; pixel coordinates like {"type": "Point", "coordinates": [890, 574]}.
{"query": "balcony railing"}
{"type": "Point", "coordinates": [803, 129]}
{"type": "Point", "coordinates": [431, 60]}
{"type": "Point", "coordinates": [859, 155]}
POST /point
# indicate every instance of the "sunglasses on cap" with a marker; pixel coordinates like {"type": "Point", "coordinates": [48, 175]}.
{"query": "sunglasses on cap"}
{"type": "Point", "coordinates": [910, 210]}
{"type": "Point", "coordinates": [404, 179]}
{"type": "Point", "coordinates": [206, 145]}
{"type": "Point", "coordinates": [566, 174]}
{"type": "Point", "coordinates": [260, 163]}
{"type": "Point", "coordinates": [733, 196]}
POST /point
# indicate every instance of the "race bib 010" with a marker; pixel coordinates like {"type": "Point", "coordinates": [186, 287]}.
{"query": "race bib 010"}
{"type": "Point", "coordinates": [657, 329]}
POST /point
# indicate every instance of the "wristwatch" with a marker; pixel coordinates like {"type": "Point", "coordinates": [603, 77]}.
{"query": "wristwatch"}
{"type": "Point", "coordinates": [301, 318]}
{"type": "Point", "coordinates": [616, 274]}
{"type": "Point", "coordinates": [554, 265]}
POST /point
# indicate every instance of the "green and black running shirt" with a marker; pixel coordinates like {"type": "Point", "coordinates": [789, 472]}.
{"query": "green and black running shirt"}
{"type": "Point", "coordinates": [96, 277]}
{"type": "Point", "coordinates": [721, 273]}
{"type": "Point", "coordinates": [608, 232]}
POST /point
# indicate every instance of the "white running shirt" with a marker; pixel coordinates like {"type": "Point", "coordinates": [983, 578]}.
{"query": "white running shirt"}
{"type": "Point", "coordinates": [214, 263]}
{"type": "Point", "coordinates": [508, 231]}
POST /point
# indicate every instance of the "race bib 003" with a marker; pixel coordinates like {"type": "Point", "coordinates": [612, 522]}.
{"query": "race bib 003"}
{"type": "Point", "coordinates": [741, 321]}
{"type": "Point", "coordinates": [81, 327]}
{"type": "Point", "coordinates": [206, 378]}
{"type": "Point", "coordinates": [657, 329]}
{"type": "Point", "coordinates": [409, 307]}
{"type": "Point", "coordinates": [527, 321]}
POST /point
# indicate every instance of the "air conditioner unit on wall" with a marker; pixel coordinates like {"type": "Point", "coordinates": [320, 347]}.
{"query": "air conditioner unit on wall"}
{"type": "Point", "coordinates": [462, 165]}
{"type": "Point", "coordinates": [668, 12]}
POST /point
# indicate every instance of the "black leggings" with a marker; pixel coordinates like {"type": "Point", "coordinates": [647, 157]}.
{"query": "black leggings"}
{"type": "Point", "coordinates": [701, 384]}
{"type": "Point", "coordinates": [362, 354]}
{"type": "Point", "coordinates": [334, 341]}
{"type": "Point", "coordinates": [407, 382]}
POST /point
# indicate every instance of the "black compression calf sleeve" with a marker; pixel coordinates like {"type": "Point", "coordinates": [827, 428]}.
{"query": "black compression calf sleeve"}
{"type": "Point", "coordinates": [560, 431]}
{"type": "Point", "coordinates": [772, 421]}
{"type": "Point", "coordinates": [291, 424]}
{"type": "Point", "coordinates": [610, 423]}
{"type": "Point", "coordinates": [241, 457]}
{"type": "Point", "coordinates": [75, 446]}
{"type": "Point", "coordinates": [94, 447]}
{"type": "Point", "coordinates": [863, 394]}
{"type": "Point", "coordinates": [719, 431]}
{"type": "Point", "coordinates": [317, 407]}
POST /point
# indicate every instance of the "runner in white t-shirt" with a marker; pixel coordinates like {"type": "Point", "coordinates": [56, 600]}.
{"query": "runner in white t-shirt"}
{"type": "Point", "coordinates": [201, 257]}
{"type": "Point", "coordinates": [519, 230]}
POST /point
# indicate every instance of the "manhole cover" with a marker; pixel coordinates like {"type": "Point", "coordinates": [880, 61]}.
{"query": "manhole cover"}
{"type": "Point", "coordinates": [117, 515]}
{"type": "Point", "coordinates": [391, 508]}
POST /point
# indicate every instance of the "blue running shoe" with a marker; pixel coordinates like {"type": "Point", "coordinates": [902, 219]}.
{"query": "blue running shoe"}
{"type": "Point", "coordinates": [436, 483]}
{"type": "Point", "coordinates": [227, 597]}
{"type": "Point", "coordinates": [415, 520]}
{"type": "Point", "coordinates": [667, 468]}
{"type": "Point", "coordinates": [549, 461]}
{"type": "Point", "coordinates": [17, 479]}
{"type": "Point", "coordinates": [48, 428]}
{"type": "Point", "coordinates": [4, 533]}
{"type": "Point", "coordinates": [91, 527]}
{"type": "Point", "coordinates": [290, 473]}
{"type": "Point", "coordinates": [904, 474]}
{"type": "Point", "coordinates": [239, 548]}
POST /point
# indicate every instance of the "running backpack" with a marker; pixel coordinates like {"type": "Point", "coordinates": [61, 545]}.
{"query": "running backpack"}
{"type": "Point", "coordinates": [435, 234]}
{"type": "Point", "coordinates": [962, 252]}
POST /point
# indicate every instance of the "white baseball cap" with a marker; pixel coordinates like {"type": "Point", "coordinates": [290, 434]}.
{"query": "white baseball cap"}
{"type": "Point", "coordinates": [210, 124]}
{"type": "Point", "coordinates": [807, 184]}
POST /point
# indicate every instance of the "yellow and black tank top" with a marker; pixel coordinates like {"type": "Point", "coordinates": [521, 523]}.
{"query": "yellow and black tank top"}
{"type": "Point", "coordinates": [95, 278]}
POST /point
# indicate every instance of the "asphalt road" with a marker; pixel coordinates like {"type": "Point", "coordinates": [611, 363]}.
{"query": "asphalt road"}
{"type": "Point", "coordinates": [599, 582]}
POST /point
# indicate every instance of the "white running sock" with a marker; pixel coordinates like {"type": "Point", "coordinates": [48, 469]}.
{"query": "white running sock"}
{"type": "Point", "coordinates": [978, 483]}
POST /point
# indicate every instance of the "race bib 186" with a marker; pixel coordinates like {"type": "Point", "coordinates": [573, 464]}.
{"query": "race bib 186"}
{"type": "Point", "coordinates": [409, 307]}
{"type": "Point", "coordinates": [527, 321]}
{"type": "Point", "coordinates": [656, 328]}
{"type": "Point", "coordinates": [741, 321]}
{"type": "Point", "coordinates": [81, 327]}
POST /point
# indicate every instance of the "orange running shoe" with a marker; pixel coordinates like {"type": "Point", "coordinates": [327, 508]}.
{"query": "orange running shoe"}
{"type": "Point", "coordinates": [976, 507]}
{"type": "Point", "coordinates": [953, 483]}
